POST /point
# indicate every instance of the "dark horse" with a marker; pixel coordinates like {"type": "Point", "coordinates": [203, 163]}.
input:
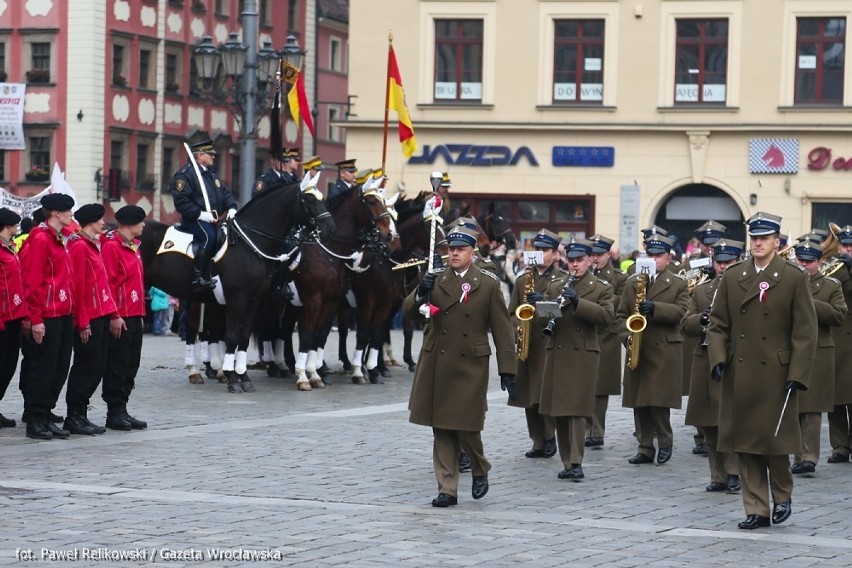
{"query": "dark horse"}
{"type": "Point", "coordinates": [322, 276]}
{"type": "Point", "coordinates": [255, 239]}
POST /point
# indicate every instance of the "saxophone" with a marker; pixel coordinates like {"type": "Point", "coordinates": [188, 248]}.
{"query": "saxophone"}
{"type": "Point", "coordinates": [525, 313]}
{"type": "Point", "coordinates": [636, 324]}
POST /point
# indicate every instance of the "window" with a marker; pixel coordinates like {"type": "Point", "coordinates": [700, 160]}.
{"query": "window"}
{"type": "Point", "coordinates": [116, 154]}
{"type": "Point", "coordinates": [3, 72]}
{"type": "Point", "coordinates": [820, 55]}
{"type": "Point", "coordinates": [335, 52]}
{"type": "Point", "coordinates": [173, 78]}
{"type": "Point", "coordinates": [145, 68]}
{"type": "Point", "coordinates": [119, 77]}
{"type": "Point", "coordinates": [458, 60]}
{"type": "Point", "coordinates": [265, 13]}
{"type": "Point", "coordinates": [145, 180]}
{"type": "Point", "coordinates": [292, 15]}
{"type": "Point", "coordinates": [169, 165]}
{"type": "Point", "coordinates": [39, 157]}
{"type": "Point", "coordinates": [333, 131]}
{"type": "Point", "coordinates": [39, 71]}
{"type": "Point", "coordinates": [3, 165]}
{"type": "Point", "coordinates": [578, 61]}
{"type": "Point", "coordinates": [701, 66]}
{"type": "Point", "coordinates": [221, 7]}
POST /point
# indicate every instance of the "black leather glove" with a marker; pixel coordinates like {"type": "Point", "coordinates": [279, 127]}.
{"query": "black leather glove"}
{"type": "Point", "coordinates": [437, 262]}
{"type": "Point", "coordinates": [705, 318]}
{"type": "Point", "coordinates": [534, 297]}
{"type": "Point", "coordinates": [794, 386]}
{"type": "Point", "coordinates": [570, 294]}
{"type": "Point", "coordinates": [846, 260]}
{"type": "Point", "coordinates": [709, 271]}
{"type": "Point", "coordinates": [426, 284]}
{"type": "Point", "coordinates": [507, 383]}
{"type": "Point", "coordinates": [646, 308]}
{"type": "Point", "coordinates": [717, 372]}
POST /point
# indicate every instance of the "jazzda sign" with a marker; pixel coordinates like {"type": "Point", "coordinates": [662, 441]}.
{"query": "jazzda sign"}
{"type": "Point", "coordinates": [473, 155]}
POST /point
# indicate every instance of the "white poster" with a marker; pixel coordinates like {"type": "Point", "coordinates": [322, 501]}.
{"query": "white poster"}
{"type": "Point", "coordinates": [24, 206]}
{"type": "Point", "coordinates": [12, 116]}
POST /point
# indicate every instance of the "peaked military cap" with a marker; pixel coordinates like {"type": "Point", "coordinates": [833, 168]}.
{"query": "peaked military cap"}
{"type": "Point", "coordinates": [710, 232]}
{"type": "Point", "coordinates": [205, 146]}
{"type": "Point", "coordinates": [312, 163]}
{"type": "Point", "coordinates": [808, 250]}
{"type": "Point", "coordinates": [461, 237]}
{"type": "Point", "coordinates": [578, 248]}
{"type": "Point", "coordinates": [653, 230]}
{"type": "Point", "coordinates": [445, 180]}
{"type": "Point", "coordinates": [658, 244]}
{"type": "Point", "coordinates": [362, 175]}
{"type": "Point", "coordinates": [601, 244]}
{"type": "Point", "coordinates": [761, 224]}
{"type": "Point", "coordinates": [813, 237]}
{"type": "Point", "coordinates": [726, 250]}
{"type": "Point", "coordinates": [845, 235]}
{"type": "Point", "coordinates": [546, 239]}
{"type": "Point", "coordinates": [348, 165]}
{"type": "Point", "coordinates": [466, 222]}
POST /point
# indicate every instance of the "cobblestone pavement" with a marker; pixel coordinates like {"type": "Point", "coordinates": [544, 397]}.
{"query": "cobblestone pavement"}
{"type": "Point", "coordinates": [339, 477]}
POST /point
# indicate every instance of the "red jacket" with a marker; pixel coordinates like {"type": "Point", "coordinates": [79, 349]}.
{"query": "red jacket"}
{"type": "Point", "coordinates": [92, 297]}
{"type": "Point", "coordinates": [12, 304]}
{"type": "Point", "coordinates": [46, 269]}
{"type": "Point", "coordinates": [126, 276]}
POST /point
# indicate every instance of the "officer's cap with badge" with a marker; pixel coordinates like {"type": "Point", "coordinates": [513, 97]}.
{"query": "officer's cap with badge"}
{"type": "Point", "coordinates": [653, 230]}
{"type": "Point", "coordinates": [813, 237]}
{"type": "Point", "coordinates": [578, 248]}
{"type": "Point", "coordinates": [8, 217]}
{"type": "Point", "coordinates": [726, 250]}
{"type": "Point", "coordinates": [546, 239]}
{"type": "Point", "coordinates": [461, 237]}
{"type": "Point", "coordinates": [57, 202]}
{"type": "Point", "coordinates": [601, 244]}
{"type": "Point", "coordinates": [710, 232]}
{"type": "Point", "coordinates": [466, 222]}
{"type": "Point", "coordinates": [346, 165]}
{"type": "Point", "coordinates": [312, 163]}
{"type": "Point", "coordinates": [845, 235]}
{"type": "Point", "coordinates": [130, 215]}
{"type": "Point", "coordinates": [658, 244]}
{"type": "Point", "coordinates": [282, 155]}
{"type": "Point", "coordinates": [294, 154]}
{"type": "Point", "coordinates": [445, 180]}
{"type": "Point", "coordinates": [362, 176]}
{"type": "Point", "coordinates": [203, 147]}
{"type": "Point", "coordinates": [89, 213]}
{"type": "Point", "coordinates": [762, 224]}
{"type": "Point", "coordinates": [808, 250]}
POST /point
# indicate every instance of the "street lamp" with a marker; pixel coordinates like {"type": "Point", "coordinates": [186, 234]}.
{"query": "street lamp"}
{"type": "Point", "coordinates": [246, 83]}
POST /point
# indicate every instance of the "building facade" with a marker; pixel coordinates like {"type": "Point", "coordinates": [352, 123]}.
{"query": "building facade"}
{"type": "Point", "coordinates": [608, 116]}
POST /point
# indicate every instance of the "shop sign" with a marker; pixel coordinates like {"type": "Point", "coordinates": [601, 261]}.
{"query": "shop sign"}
{"type": "Point", "coordinates": [473, 155]}
{"type": "Point", "coordinates": [820, 158]}
{"type": "Point", "coordinates": [584, 156]}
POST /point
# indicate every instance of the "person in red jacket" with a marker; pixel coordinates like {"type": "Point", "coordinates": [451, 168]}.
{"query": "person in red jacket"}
{"type": "Point", "coordinates": [12, 307]}
{"type": "Point", "coordinates": [127, 284]}
{"type": "Point", "coordinates": [46, 269]}
{"type": "Point", "coordinates": [95, 318]}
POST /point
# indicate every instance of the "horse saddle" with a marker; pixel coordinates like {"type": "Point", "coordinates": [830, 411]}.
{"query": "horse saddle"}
{"type": "Point", "coordinates": [179, 239]}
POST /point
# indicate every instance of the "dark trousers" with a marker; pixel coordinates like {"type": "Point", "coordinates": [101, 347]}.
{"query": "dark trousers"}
{"type": "Point", "coordinates": [88, 366]}
{"type": "Point", "coordinates": [10, 347]}
{"type": "Point", "coordinates": [122, 363]}
{"type": "Point", "coordinates": [203, 233]}
{"type": "Point", "coordinates": [48, 364]}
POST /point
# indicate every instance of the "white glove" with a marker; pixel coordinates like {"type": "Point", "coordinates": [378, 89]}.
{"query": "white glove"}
{"type": "Point", "coordinates": [206, 216]}
{"type": "Point", "coordinates": [231, 213]}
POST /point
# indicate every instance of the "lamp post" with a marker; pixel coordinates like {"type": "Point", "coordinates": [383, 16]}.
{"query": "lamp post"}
{"type": "Point", "coordinates": [246, 82]}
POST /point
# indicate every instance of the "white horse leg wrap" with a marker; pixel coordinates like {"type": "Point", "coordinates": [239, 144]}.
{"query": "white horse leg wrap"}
{"type": "Point", "coordinates": [278, 353]}
{"type": "Point", "coordinates": [240, 365]}
{"type": "Point", "coordinates": [356, 363]}
{"type": "Point", "coordinates": [216, 352]}
{"type": "Point", "coordinates": [205, 351]}
{"type": "Point", "coordinates": [320, 356]}
{"type": "Point", "coordinates": [311, 365]}
{"type": "Point", "coordinates": [267, 354]}
{"type": "Point", "coordinates": [189, 358]}
{"type": "Point", "coordinates": [301, 359]}
{"type": "Point", "coordinates": [388, 352]}
{"type": "Point", "coordinates": [372, 359]}
{"type": "Point", "coordinates": [228, 364]}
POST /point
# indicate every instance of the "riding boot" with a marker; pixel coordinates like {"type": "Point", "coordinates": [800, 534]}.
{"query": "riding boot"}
{"type": "Point", "coordinates": [200, 281]}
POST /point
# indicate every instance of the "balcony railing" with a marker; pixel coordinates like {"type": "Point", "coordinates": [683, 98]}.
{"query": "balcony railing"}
{"type": "Point", "coordinates": [146, 182]}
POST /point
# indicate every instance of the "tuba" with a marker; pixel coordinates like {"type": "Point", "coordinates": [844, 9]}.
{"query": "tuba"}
{"type": "Point", "coordinates": [525, 313]}
{"type": "Point", "coordinates": [636, 324]}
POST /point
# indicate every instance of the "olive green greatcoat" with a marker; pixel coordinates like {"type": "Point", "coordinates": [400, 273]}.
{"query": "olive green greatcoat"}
{"type": "Point", "coordinates": [531, 370]}
{"type": "Point", "coordinates": [573, 351]}
{"type": "Point", "coordinates": [656, 381]}
{"type": "Point", "coordinates": [702, 406]}
{"type": "Point", "coordinates": [830, 311]}
{"type": "Point", "coordinates": [609, 371]}
{"type": "Point", "coordinates": [763, 345]}
{"type": "Point", "coordinates": [451, 382]}
{"type": "Point", "coordinates": [843, 346]}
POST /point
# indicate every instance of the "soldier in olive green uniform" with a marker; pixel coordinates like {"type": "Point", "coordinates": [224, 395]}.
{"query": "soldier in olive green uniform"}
{"type": "Point", "coordinates": [451, 382]}
{"type": "Point", "coordinates": [840, 418]}
{"type": "Point", "coordinates": [702, 407]}
{"type": "Point", "coordinates": [653, 388]}
{"type": "Point", "coordinates": [541, 429]}
{"type": "Point", "coordinates": [831, 311]}
{"type": "Point", "coordinates": [762, 341]}
{"type": "Point", "coordinates": [568, 385]}
{"type": "Point", "coordinates": [609, 370]}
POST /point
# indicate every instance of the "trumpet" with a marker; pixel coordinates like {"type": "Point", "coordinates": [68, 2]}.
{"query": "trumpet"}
{"type": "Point", "coordinates": [551, 323]}
{"type": "Point", "coordinates": [415, 262]}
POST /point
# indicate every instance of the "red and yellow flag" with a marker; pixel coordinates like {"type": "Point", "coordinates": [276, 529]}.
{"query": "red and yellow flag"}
{"type": "Point", "coordinates": [298, 102]}
{"type": "Point", "coordinates": [396, 101]}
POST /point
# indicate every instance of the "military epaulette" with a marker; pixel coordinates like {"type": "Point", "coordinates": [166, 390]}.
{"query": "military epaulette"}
{"type": "Point", "coordinates": [681, 276]}
{"type": "Point", "coordinates": [793, 263]}
{"type": "Point", "coordinates": [489, 274]}
{"type": "Point", "coordinates": [833, 279]}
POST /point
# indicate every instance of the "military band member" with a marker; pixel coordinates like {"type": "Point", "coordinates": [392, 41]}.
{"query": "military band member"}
{"type": "Point", "coordinates": [702, 407]}
{"type": "Point", "coordinates": [762, 341]}
{"type": "Point", "coordinates": [573, 353]}
{"type": "Point", "coordinates": [609, 370]}
{"type": "Point", "coordinates": [95, 318]}
{"type": "Point", "coordinates": [345, 182]}
{"type": "Point", "coordinates": [653, 388]}
{"type": "Point", "coordinates": [451, 382]}
{"type": "Point", "coordinates": [707, 235]}
{"type": "Point", "coordinates": [840, 418]}
{"type": "Point", "coordinates": [831, 311]}
{"type": "Point", "coordinates": [190, 203]}
{"type": "Point", "coordinates": [541, 429]}
{"type": "Point", "coordinates": [12, 307]}
{"type": "Point", "coordinates": [46, 269]}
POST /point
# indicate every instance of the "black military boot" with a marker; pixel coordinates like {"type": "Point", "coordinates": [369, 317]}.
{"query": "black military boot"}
{"type": "Point", "coordinates": [76, 424]}
{"type": "Point", "coordinates": [116, 419]}
{"type": "Point", "coordinates": [135, 423]}
{"type": "Point", "coordinates": [200, 281]}
{"type": "Point", "coordinates": [37, 427]}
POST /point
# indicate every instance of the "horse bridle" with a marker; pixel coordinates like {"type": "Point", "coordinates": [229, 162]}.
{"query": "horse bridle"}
{"type": "Point", "coordinates": [489, 226]}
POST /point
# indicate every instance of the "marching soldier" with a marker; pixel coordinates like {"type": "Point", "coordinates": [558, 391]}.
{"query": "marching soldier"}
{"type": "Point", "coordinates": [450, 386]}
{"type": "Point", "coordinates": [609, 371]}
{"type": "Point", "coordinates": [707, 235]}
{"type": "Point", "coordinates": [13, 309]}
{"type": "Point", "coordinates": [702, 407]}
{"type": "Point", "coordinates": [541, 429]}
{"type": "Point", "coordinates": [345, 182]}
{"type": "Point", "coordinates": [840, 418]}
{"type": "Point", "coordinates": [569, 397]}
{"type": "Point", "coordinates": [653, 388]}
{"type": "Point", "coordinates": [762, 340]}
{"type": "Point", "coordinates": [194, 215]}
{"type": "Point", "coordinates": [831, 311]}
{"type": "Point", "coordinates": [480, 253]}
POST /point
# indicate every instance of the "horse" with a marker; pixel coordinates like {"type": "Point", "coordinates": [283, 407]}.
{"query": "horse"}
{"type": "Point", "coordinates": [322, 275]}
{"type": "Point", "coordinates": [245, 262]}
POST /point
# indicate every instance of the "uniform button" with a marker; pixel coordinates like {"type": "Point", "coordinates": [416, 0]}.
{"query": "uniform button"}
{"type": "Point", "coordinates": [446, 313]}
{"type": "Point", "coordinates": [742, 311]}
{"type": "Point", "coordinates": [442, 352]}
{"type": "Point", "coordinates": [444, 331]}
{"type": "Point", "coordinates": [740, 359]}
{"type": "Point", "coordinates": [742, 335]}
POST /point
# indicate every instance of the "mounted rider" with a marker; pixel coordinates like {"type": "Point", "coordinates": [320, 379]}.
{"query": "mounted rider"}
{"type": "Point", "coordinates": [201, 207]}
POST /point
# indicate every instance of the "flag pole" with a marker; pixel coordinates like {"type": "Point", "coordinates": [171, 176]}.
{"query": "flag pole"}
{"type": "Point", "coordinates": [387, 101]}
